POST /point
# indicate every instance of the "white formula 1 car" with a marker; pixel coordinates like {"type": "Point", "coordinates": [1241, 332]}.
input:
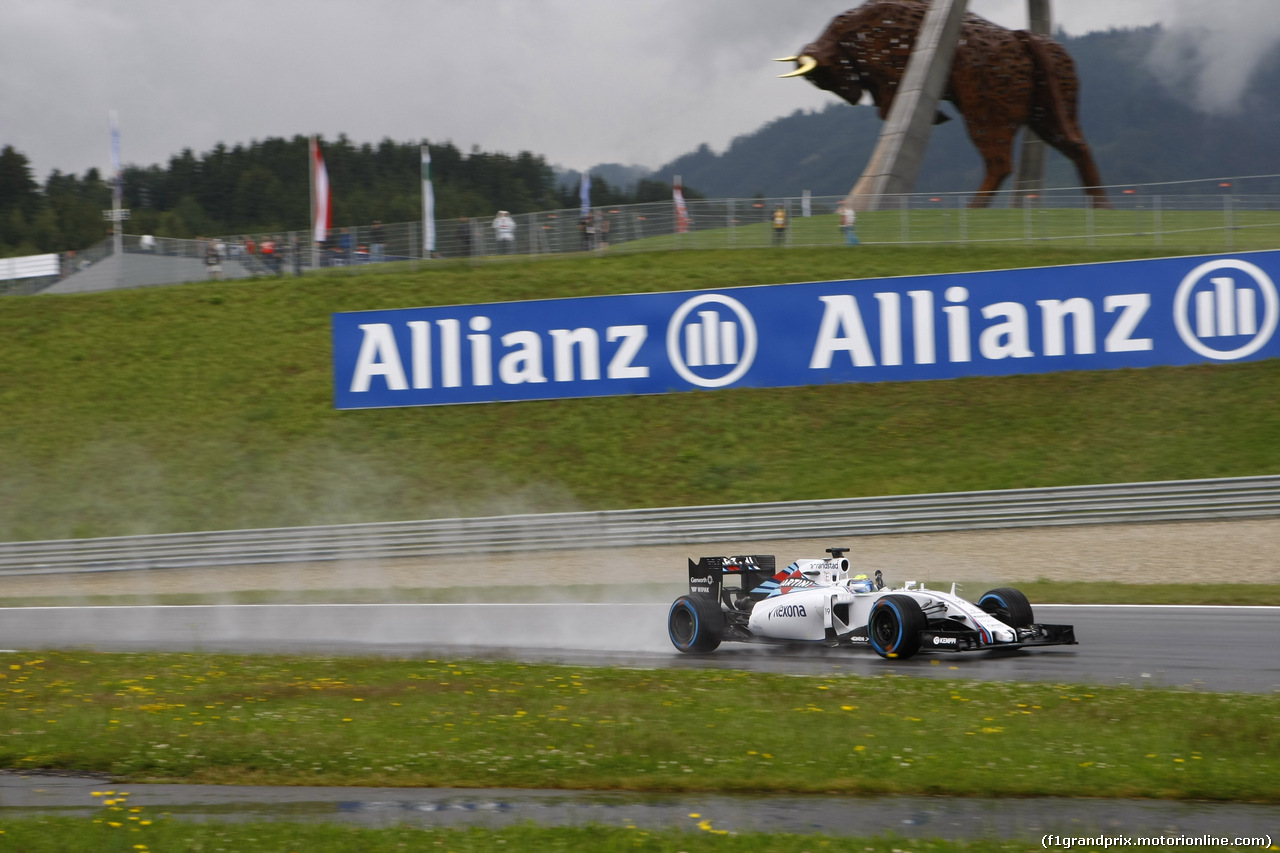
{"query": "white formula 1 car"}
{"type": "Point", "coordinates": [818, 602]}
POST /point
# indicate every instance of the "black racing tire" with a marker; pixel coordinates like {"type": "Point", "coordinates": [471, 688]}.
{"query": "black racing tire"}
{"type": "Point", "coordinates": [894, 626]}
{"type": "Point", "coordinates": [695, 624]}
{"type": "Point", "coordinates": [1009, 606]}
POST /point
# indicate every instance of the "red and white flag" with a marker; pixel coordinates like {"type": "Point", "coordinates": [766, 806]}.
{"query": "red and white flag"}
{"type": "Point", "coordinates": [682, 212]}
{"type": "Point", "coordinates": [321, 209]}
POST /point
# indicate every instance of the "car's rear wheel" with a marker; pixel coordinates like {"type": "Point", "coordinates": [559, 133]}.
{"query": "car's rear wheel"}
{"type": "Point", "coordinates": [1009, 606]}
{"type": "Point", "coordinates": [894, 626]}
{"type": "Point", "coordinates": [695, 624]}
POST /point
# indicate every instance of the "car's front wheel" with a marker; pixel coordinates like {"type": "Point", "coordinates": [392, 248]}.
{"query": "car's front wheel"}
{"type": "Point", "coordinates": [695, 624]}
{"type": "Point", "coordinates": [1009, 606]}
{"type": "Point", "coordinates": [894, 626]}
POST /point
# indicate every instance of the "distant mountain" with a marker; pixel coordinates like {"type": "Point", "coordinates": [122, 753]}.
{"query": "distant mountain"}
{"type": "Point", "coordinates": [1139, 129]}
{"type": "Point", "coordinates": [617, 175]}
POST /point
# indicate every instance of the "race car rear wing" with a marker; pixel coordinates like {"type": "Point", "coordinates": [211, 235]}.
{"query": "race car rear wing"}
{"type": "Point", "coordinates": [713, 576]}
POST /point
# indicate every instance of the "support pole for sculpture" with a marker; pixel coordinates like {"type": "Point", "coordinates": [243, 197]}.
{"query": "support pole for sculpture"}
{"type": "Point", "coordinates": [895, 163]}
{"type": "Point", "coordinates": [1031, 164]}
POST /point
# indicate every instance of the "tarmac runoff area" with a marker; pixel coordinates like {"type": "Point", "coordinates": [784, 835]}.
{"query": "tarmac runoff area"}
{"type": "Point", "coordinates": [1210, 552]}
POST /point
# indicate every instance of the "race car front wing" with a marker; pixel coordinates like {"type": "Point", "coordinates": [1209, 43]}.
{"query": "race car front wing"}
{"type": "Point", "coordinates": [964, 641]}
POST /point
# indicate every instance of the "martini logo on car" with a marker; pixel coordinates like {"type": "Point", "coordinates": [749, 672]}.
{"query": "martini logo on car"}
{"type": "Point", "coordinates": [1126, 314]}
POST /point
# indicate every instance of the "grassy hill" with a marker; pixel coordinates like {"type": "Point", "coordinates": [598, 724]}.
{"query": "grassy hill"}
{"type": "Point", "coordinates": [210, 407]}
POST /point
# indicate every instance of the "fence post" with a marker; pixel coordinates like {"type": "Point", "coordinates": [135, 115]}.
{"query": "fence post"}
{"type": "Point", "coordinates": [1228, 238]}
{"type": "Point", "coordinates": [729, 218]}
{"type": "Point", "coordinates": [1088, 222]}
{"type": "Point", "coordinates": [1157, 220]}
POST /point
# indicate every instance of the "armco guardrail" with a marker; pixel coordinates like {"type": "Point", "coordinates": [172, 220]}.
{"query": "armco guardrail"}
{"type": "Point", "coordinates": [1181, 500]}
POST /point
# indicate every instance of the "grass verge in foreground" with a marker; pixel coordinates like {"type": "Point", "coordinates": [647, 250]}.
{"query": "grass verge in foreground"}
{"type": "Point", "coordinates": [275, 720]}
{"type": "Point", "coordinates": [69, 835]}
{"type": "Point", "coordinates": [1039, 592]}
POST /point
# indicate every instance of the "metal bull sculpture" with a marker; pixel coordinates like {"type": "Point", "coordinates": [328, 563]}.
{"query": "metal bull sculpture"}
{"type": "Point", "coordinates": [1000, 81]}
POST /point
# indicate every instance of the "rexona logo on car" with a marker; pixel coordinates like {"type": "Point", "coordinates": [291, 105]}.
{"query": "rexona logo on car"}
{"type": "Point", "coordinates": [788, 611]}
{"type": "Point", "coordinates": [1125, 314]}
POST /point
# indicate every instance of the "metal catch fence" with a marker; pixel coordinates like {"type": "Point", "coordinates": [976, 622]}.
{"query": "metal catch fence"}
{"type": "Point", "coordinates": [1187, 216]}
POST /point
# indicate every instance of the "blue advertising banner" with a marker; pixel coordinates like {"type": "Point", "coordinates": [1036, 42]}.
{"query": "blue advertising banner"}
{"type": "Point", "coordinates": [1168, 311]}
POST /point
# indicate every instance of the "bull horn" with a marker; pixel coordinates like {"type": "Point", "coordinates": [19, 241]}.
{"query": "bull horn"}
{"type": "Point", "coordinates": [807, 64]}
{"type": "Point", "coordinates": [786, 59]}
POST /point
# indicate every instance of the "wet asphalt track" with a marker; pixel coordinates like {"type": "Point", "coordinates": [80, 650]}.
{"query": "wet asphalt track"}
{"type": "Point", "coordinates": [1208, 648]}
{"type": "Point", "coordinates": [1205, 648]}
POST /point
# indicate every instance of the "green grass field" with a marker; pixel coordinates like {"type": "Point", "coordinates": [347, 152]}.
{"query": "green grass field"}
{"type": "Point", "coordinates": [1137, 228]}
{"type": "Point", "coordinates": [224, 719]}
{"type": "Point", "coordinates": [142, 832]}
{"type": "Point", "coordinates": [209, 406]}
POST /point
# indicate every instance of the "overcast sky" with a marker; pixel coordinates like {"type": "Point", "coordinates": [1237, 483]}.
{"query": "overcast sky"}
{"type": "Point", "coordinates": [581, 82]}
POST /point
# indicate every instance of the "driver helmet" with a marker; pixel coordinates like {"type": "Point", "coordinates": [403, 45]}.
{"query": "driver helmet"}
{"type": "Point", "coordinates": [861, 583]}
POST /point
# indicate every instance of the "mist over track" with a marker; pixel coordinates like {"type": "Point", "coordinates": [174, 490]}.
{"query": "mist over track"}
{"type": "Point", "coordinates": [1204, 648]}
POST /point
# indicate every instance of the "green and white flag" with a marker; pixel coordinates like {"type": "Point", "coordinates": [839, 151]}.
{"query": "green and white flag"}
{"type": "Point", "coordinates": [428, 207]}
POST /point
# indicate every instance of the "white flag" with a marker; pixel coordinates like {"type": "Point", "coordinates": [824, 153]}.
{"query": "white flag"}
{"type": "Point", "coordinates": [117, 188]}
{"type": "Point", "coordinates": [584, 196]}
{"type": "Point", "coordinates": [428, 207]}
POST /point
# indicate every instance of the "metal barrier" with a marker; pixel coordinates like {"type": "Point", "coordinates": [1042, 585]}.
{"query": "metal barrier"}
{"type": "Point", "coordinates": [1179, 500]}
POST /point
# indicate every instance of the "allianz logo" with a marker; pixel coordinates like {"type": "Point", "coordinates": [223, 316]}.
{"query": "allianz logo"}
{"type": "Point", "coordinates": [711, 340]}
{"type": "Point", "coordinates": [1226, 309]}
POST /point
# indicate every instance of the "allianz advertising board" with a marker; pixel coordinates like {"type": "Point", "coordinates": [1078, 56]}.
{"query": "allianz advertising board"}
{"type": "Point", "coordinates": [1167, 311]}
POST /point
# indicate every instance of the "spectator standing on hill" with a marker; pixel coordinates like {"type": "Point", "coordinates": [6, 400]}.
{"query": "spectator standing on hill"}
{"type": "Point", "coordinates": [504, 230]}
{"type": "Point", "coordinates": [378, 243]}
{"type": "Point", "coordinates": [345, 245]}
{"type": "Point", "coordinates": [464, 236]}
{"type": "Point", "coordinates": [779, 225]}
{"type": "Point", "coordinates": [268, 249]}
{"type": "Point", "coordinates": [212, 260]}
{"type": "Point", "coordinates": [283, 250]}
{"type": "Point", "coordinates": [847, 220]}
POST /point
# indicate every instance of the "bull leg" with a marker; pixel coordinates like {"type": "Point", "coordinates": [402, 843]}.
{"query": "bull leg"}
{"type": "Point", "coordinates": [996, 148]}
{"type": "Point", "coordinates": [1077, 151]}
